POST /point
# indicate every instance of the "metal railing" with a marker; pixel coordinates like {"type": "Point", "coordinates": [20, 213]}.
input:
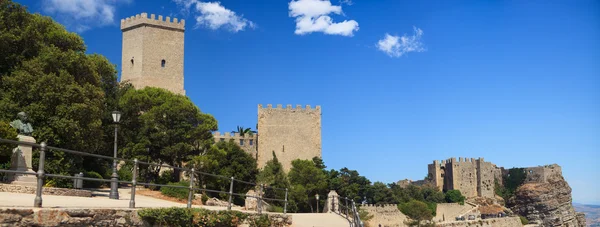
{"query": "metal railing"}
{"type": "Point", "coordinates": [347, 209]}
{"type": "Point", "coordinates": [41, 175]}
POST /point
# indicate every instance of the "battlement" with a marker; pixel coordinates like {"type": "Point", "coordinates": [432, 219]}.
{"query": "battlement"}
{"type": "Point", "coordinates": [289, 107]}
{"type": "Point", "coordinates": [380, 205]}
{"type": "Point", "coordinates": [460, 160]}
{"type": "Point", "coordinates": [142, 19]}
{"type": "Point", "coordinates": [232, 135]}
{"type": "Point", "coordinates": [542, 174]}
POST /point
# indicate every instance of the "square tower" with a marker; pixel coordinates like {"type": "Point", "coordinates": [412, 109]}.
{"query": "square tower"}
{"type": "Point", "coordinates": [152, 52]}
{"type": "Point", "coordinates": [292, 133]}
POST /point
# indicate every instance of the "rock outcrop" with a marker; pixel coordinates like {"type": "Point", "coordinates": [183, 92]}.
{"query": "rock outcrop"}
{"type": "Point", "coordinates": [546, 200]}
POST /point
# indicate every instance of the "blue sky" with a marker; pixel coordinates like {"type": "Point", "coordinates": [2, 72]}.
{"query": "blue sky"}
{"type": "Point", "coordinates": [515, 82]}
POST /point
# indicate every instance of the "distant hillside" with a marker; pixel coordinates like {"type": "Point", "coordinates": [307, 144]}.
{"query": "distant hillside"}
{"type": "Point", "coordinates": [592, 213]}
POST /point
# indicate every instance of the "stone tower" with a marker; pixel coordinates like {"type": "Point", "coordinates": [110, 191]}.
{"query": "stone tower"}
{"type": "Point", "coordinates": [292, 133]}
{"type": "Point", "coordinates": [152, 52]}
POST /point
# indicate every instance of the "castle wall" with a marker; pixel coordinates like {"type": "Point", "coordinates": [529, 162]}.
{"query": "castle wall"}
{"type": "Point", "coordinates": [386, 215]}
{"type": "Point", "coordinates": [492, 222]}
{"type": "Point", "coordinates": [147, 42]}
{"type": "Point", "coordinates": [541, 174]}
{"type": "Point", "coordinates": [436, 174]}
{"type": "Point", "coordinates": [473, 177]}
{"type": "Point", "coordinates": [466, 176]}
{"type": "Point", "coordinates": [292, 133]}
{"type": "Point", "coordinates": [449, 211]}
{"type": "Point", "coordinates": [488, 172]}
{"type": "Point", "coordinates": [247, 143]}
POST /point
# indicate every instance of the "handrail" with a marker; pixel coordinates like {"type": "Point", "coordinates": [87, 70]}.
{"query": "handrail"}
{"type": "Point", "coordinates": [349, 211]}
{"type": "Point", "coordinates": [40, 174]}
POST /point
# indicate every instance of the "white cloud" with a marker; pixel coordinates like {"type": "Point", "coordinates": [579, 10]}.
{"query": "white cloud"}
{"type": "Point", "coordinates": [396, 46]}
{"type": "Point", "coordinates": [313, 16]}
{"type": "Point", "coordinates": [214, 16]}
{"type": "Point", "coordinates": [82, 15]}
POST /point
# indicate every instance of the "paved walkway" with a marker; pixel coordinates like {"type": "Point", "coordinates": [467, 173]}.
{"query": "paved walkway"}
{"type": "Point", "coordinates": [101, 200]}
{"type": "Point", "coordinates": [319, 220]}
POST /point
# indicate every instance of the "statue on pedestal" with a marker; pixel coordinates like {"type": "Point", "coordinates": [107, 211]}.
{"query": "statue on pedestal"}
{"type": "Point", "coordinates": [22, 124]}
{"type": "Point", "coordinates": [21, 157]}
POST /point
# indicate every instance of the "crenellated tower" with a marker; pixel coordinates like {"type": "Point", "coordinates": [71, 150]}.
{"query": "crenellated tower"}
{"type": "Point", "coordinates": [292, 133]}
{"type": "Point", "coordinates": [152, 52]}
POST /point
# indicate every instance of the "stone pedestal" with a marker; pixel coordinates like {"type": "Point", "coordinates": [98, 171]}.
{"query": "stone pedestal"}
{"type": "Point", "coordinates": [333, 201]}
{"type": "Point", "coordinates": [21, 161]}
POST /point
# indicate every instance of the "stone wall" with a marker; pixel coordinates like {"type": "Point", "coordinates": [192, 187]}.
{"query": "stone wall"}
{"type": "Point", "coordinates": [246, 142]}
{"type": "Point", "coordinates": [45, 190]}
{"type": "Point", "coordinates": [449, 211]}
{"type": "Point", "coordinates": [387, 215]}
{"type": "Point", "coordinates": [473, 177]}
{"type": "Point", "coordinates": [91, 217]}
{"type": "Point", "coordinates": [541, 174]}
{"type": "Point", "coordinates": [492, 222]}
{"type": "Point", "coordinates": [292, 133]}
{"type": "Point", "coordinates": [146, 43]}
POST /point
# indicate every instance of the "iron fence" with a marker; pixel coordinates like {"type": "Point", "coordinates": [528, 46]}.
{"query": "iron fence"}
{"type": "Point", "coordinates": [41, 175]}
{"type": "Point", "coordinates": [347, 209]}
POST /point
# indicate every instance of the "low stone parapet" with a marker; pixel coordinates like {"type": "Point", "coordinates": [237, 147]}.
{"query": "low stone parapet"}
{"type": "Point", "coordinates": [492, 222]}
{"type": "Point", "coordinates": [51, 217]}
{"type": "Point", "coordinates": [69, 217]}
{"type": "Point", "coordinates": [14, 188]}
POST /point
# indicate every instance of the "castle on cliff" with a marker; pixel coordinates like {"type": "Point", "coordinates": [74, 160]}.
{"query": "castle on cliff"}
{"type": "Point", "coordinates": [153, 56]}
{"type": "Point", "coordinates": [476, 177]}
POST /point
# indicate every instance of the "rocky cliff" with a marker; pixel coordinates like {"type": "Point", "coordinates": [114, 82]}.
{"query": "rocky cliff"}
{"type": "Point", "coordinates": [546, 201]}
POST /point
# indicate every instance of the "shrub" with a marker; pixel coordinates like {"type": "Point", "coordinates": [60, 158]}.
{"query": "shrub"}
{"type": "Point", "coordinates": [92, 184]}
{"type": "Point", "coordinates": [454, 196]}
{"type": "Point", "coordinates": [204, 198]}
{"type": "Point", "coordinates": [200, 217]}
{"type": "Point", "coordinates": [167, 216]}
{"type": "Point", "coordinates": [524, 220]}
{"type": "Point", "coordinates": [180, 193]}
{"type": "Point", "coordinates": [126, 172]}
{"type": "Point", "coordinates": [275, 209]}
{"type": "Point", "coordinates": [416, 210]}
{"type": "Point", "coordinates": [166, 177]}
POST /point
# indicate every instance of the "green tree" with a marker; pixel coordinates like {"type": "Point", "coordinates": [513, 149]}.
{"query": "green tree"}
{"type": "Point", "coordinates": [306, 181]}
{"type": "Point", "coordinates": [6, 132]}
{"type": "Point", "coordinates": [45, 72]}
{"type": "Point", "coordinates": [381, 194]}
{"type": "Point", "coordinates": [162, 127]}
{"type": "Point", "coordinates": [454, 196]}
{"type": "Point", "coordinates": [349, 183]}
{"type": "Point", "coordinates": [273, 176]}
{"type": "Point", "coordinates": [511, 181]}
{"type": "Point", "coordinates": [226, 158]}
{"type": "Point", "coordinates": [416, 210]}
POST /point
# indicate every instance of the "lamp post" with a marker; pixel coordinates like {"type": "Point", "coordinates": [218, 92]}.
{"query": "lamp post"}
{"type": "Point", "coordinates": [114, 185]}
{"type": "Point", "coordinates": [317, 197]}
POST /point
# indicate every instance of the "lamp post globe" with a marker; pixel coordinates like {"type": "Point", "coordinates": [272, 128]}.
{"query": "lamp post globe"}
{"type": "Point", "coordinates": [317, 197]}
{"type": "Point", "coordinates": [114, 185]}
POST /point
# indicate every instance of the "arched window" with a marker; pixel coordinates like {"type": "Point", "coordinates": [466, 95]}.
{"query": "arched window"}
{"type": "Point", "coordinates": [162, 63]}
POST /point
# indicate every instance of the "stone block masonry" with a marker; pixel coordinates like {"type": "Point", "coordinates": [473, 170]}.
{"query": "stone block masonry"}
{"type": "Point", "coordinates": [95, 217]}
{"type": "Point", "coordinates": [473, 177]}
{"type": "Point", "coordinates": [385, 215]}
{"type": "Point", "coordinates": [45, 190]}
{"type": "Point", "coordinates": [153, 52]}
{"type": "Point", "coordinates": [246, 142]}
{"type": "Point", "coordinates": [493, 222]}
{"type": "Point", "coordinates": [292, 133]}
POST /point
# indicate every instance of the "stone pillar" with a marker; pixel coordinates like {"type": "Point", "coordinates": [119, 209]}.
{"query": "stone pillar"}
{"type": "Point", "coordinates": [21, 161]}
{"type": "Point", "coordinates": [333, 201]}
